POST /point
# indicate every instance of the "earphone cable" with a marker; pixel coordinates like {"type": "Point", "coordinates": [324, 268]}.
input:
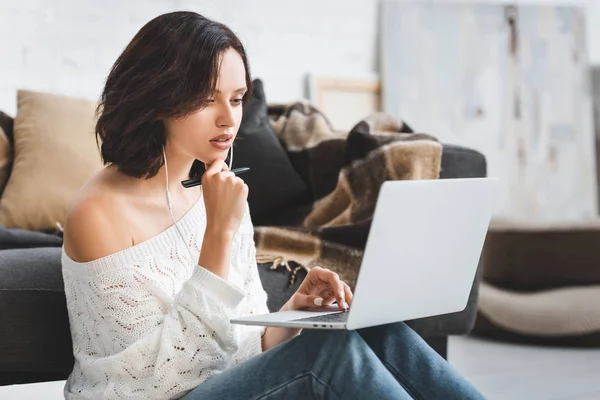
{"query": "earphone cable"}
{"type": "Point", "coordinates": [169, 205]}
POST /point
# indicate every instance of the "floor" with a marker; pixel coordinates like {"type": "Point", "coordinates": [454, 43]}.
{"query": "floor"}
{"type": "Point", "coordinates": [515, 372]}
{"type": "Point", "coordinates": [500, 371]}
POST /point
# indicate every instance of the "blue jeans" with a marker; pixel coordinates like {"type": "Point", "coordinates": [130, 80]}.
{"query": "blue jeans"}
{"type": "Point", "coordinates": [383, 362]}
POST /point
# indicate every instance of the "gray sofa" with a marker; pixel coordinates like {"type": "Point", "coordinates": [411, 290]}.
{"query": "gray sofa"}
{"type": "Point", "coordinates": [35, 341]}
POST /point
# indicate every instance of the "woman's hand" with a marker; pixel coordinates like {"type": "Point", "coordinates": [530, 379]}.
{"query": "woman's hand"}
{"type": "Point", "coordinates": [225, 198]}
{"type": "Point", "coordinates": [321, 287]}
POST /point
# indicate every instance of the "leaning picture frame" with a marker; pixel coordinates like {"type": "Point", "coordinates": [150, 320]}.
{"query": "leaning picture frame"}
{"type": "Point", "coordinates": [344, 100]}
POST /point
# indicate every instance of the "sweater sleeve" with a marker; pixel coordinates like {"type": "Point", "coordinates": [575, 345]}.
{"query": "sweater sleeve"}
{"type": "Point", "coordinates": [133, 338]}
{"type": "Point", "coordinates": [253, 283]}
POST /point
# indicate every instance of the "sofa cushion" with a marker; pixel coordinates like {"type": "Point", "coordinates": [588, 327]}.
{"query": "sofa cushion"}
{"type": "Point", "coordinates": [55, 153]}
{"type": "Point", "coordinates": [462, 162]}
{"type": "Point", "coordinates": [34, 325]}
{"type": "Point", "coordinates": [273, 182]}
{"type": "Point", "coordinates": [25, 239]}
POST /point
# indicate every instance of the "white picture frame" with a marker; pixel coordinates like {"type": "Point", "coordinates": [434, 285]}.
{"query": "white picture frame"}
{"type": "Point", "coordinates": [344, 100]}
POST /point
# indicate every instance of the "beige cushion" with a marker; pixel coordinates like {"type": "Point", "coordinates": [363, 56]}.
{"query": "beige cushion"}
{"type": "Point", "coordinates": [5, 159]}
{"type": "Point", "coordinates": [565, 311]}
{"type": "Point", "coordinates": [55, 153]}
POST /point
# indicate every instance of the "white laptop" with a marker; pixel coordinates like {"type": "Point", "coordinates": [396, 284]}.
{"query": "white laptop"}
{"type": "Point", "coordinates": [420, 259]}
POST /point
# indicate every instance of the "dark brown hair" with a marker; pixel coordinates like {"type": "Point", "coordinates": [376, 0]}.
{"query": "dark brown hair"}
{"type": "Point", "coordinates": [168, 70]}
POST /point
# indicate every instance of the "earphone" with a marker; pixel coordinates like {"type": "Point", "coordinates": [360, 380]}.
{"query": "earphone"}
{"type": "Point", "coordinates": [168, 196]}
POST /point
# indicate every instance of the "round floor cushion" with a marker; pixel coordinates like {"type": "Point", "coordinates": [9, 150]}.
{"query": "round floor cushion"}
{"type": "Point", "coordinates": [541, 284]}
{"type": "Point", "coordinates": [538, 257]}
{"type": "Point", "coordinates": [568, 316]}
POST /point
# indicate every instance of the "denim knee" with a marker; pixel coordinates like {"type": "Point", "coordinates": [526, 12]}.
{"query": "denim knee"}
{"type": "Point", "coordinates": [327, 337]}
{"type": "Point", "coordinates": [326, 343]}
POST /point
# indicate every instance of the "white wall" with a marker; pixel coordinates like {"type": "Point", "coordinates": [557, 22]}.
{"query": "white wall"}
{"type": "Point", "coordinates": [68, 46]}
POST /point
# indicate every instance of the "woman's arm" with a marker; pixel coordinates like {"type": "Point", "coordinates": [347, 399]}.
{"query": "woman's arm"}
{"type": "Point", "coordinates": [274, 336]}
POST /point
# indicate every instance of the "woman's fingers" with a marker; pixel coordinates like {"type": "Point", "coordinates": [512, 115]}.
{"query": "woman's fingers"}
{"type": "Point", "coordinates": [215, 167]}
{"type": "Point", "coordinates": [329, 287]}
{"type": "Point", "coordinates": [349, 294]}
{"type": "Point", "coordinates": [337, 286]}
{"type": "Point", "coordinates": [307, 301]}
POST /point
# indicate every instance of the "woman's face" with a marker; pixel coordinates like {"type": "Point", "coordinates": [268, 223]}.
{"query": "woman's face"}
{"type": "Point", "coordinates": [208, 134]}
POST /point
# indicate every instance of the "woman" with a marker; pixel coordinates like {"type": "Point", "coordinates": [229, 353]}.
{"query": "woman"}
{"type": "Point", "coordinates": [150, 301]}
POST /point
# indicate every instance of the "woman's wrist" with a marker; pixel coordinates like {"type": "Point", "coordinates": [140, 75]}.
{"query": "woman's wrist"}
{"type": "Point", "coordinates": [274, 336]}
{"type": "Point", "coordinates": [288, 306]}
{"type": "Point", "coordinates": [218, 235]}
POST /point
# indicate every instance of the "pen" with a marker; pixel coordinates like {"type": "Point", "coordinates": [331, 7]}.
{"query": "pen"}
{"type": "Point", "coordinates": [188, 183]}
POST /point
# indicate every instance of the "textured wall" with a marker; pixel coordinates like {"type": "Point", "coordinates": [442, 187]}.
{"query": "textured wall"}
{"type": "Point", "coordinates": [596, 102]}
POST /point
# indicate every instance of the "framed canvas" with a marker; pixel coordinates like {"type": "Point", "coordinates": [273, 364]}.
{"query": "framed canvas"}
{"type": "Point", "coordinates": [345, 100]}
{"type": "Point", "coordinates": [512, 82]}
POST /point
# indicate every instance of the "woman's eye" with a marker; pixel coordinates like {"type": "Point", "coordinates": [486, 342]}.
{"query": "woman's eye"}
{"type": "Point", "coordinates": [237, 101]}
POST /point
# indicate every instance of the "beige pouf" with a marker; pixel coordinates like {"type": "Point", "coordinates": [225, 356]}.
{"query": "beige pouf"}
{"type": "Point", "coordinates": [541, 284]}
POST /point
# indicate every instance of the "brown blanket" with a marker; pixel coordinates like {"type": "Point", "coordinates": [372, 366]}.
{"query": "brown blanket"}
{"type": "Point", "coordinates": [344, 171]}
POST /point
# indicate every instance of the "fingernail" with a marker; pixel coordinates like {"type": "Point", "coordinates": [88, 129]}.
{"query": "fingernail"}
{"type": "Point", "coordinates": [346, 306]}
{"type": "Point", "coordinates": [318, 301]}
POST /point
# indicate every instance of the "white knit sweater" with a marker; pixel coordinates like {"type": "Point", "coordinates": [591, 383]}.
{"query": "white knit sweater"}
{"type": "Point", "coordinates": [149, 323]}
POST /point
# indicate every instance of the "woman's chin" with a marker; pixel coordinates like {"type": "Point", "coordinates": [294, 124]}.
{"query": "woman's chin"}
{"type": "Point", "coordinates": [212, 155]}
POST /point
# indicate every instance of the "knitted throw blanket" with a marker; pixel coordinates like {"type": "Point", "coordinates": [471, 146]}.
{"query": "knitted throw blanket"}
{"type": "Point", "coordinates": [344, 171]}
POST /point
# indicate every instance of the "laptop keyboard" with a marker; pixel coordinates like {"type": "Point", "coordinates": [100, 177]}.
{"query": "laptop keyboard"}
{"type": "Point", "coordinates": [337, 317]}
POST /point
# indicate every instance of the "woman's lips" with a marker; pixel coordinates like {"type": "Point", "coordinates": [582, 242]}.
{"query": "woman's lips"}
{"type": "Point", "coordinates": [222, 142]}
{"type": "Point", "coordinates": [222, 136]}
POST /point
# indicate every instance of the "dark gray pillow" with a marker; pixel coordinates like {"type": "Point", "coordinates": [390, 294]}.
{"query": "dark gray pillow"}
{"type": "Point", "coordinates": [7, 123]}
{"type": "Point", "coordinates": [35, 340]}
{"type": "Point", "coordinates": [273, 182]}
{"type": "Point", "coordinates": [23, 238]}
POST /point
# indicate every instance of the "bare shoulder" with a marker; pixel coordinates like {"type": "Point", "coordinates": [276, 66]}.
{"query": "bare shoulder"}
{"type": "Point", "coordinates": [92, 226]}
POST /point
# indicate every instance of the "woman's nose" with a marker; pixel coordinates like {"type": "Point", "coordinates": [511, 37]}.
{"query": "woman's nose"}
{"type": "Point", "coordinates": [226, 118]}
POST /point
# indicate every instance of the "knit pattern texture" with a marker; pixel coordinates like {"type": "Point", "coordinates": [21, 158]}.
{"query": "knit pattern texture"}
{"type": "Point", "coordinates": [149, 323]}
